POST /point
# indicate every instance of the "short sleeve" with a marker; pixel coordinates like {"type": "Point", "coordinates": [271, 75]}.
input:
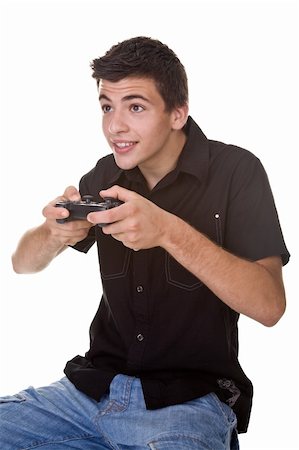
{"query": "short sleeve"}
{"type": "Point", "coordinates": [86, 244]}
{"type": "Point", "coordinates": [253, 225]}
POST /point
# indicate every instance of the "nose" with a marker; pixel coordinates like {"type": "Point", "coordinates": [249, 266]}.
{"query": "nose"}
{"type": "Point", "coordinates": [117, 123]}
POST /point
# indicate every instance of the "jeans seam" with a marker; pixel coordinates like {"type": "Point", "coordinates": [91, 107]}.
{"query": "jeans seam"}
{"type": "Point", "coordinates": [128, 388]}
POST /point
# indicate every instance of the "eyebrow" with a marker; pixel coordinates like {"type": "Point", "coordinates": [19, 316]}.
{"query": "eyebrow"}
{"type": "Point", "coordinates": [126, 98]}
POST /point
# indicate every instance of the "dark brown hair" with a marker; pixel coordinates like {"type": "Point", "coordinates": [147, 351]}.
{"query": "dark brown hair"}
{"type": "Point", "coordinates": [148, 58]}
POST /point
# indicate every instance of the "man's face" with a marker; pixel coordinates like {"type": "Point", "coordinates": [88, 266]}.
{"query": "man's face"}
{"type": "Point", "coordinates": [138, 129]}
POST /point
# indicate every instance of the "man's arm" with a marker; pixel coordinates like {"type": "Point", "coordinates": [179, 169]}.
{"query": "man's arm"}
{"type": "Point", "coordinates": [35, 250]}
{"type": "Point", "coordinates": [40, 245]}
{"type": "Point", "coordinates": [253, 288]}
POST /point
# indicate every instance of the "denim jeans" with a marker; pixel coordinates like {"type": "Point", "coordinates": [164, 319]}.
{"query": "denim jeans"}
{"type": "Point", "coordinates": [59, 416]}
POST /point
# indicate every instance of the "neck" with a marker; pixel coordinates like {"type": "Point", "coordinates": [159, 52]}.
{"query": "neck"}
{"type": "Point", "coordinates": [165, 164]}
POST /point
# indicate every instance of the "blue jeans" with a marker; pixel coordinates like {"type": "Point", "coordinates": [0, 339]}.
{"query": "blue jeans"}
{"type": "Point", "coordinates": [61, 417]}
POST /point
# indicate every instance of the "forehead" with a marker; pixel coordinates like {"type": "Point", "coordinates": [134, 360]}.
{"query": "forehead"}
{"type": "Point", "coordinates": [129, 86]}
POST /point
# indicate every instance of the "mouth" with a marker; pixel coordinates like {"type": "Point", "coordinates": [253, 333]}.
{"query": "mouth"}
{"type": "Point", "coordinates": [122, 147]}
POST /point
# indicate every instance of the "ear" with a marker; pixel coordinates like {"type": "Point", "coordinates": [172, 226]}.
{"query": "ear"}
{"type": "Point", "coordinates": [179, 117]}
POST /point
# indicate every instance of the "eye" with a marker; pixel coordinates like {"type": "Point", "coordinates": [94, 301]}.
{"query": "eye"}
{"type": "Point", "coordinates": [106, 108]}
{"type": "Point", "coordinates": [137, 108]}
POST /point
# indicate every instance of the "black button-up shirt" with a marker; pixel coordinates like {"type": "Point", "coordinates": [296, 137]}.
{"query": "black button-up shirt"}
{"type": "Point", "coordinates": [156, 320]}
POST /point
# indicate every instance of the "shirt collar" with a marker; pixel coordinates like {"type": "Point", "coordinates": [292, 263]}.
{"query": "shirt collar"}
{"type": "Point", "coordinates": [194, 158]}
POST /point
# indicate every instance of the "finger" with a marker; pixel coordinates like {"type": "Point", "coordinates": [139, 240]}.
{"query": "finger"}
{"type": "Point", "coordinates": [108, 216]}
{"type": "Point", "coordinates": [74, 226]}
{"type": "Point", "coordinates": [70, 237]}
{"type": "Point", "coordinates": [119, 193]}
{"type": "Point", "coordinates": [72, 193]}
{"type": "Point", "coordinates": [52, 212]}
{"type": "Point", "coordinates": [71, 229]}
{"type": "Point", "coordinates": [121, 237]}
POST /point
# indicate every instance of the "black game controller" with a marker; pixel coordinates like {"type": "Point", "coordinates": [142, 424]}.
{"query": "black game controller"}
{"type": "Point", "coordinates": [80, 209]}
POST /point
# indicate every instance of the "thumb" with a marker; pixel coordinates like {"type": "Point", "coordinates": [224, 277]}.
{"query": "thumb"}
{"type": "Point", "coordinates": [72, 193]}
{"type": "Point", "coordinates": [118, 193]}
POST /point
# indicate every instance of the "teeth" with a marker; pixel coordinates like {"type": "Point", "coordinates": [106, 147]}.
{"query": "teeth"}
{"type": "Point", "coordinates": [124, 144]}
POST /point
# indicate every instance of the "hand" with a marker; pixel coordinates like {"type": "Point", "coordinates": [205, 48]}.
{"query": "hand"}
{"type": "Point", "coordinates": [68, 233]}
{"type": "Point", "coordinates": [138, 223]}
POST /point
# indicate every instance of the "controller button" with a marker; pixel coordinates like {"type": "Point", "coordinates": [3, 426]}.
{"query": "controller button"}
{"type": "Point", "coordinates": [87, 198]}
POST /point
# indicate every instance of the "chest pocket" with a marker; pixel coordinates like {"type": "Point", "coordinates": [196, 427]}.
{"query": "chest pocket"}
{"type": "Point", "coordinates": [114, 257]}
{"type": "Point", "coordinates": [180, 277]}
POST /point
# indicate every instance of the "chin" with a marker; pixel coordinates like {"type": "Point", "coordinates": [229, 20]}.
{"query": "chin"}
{"type": "Point", "coordinates": [124, 165]}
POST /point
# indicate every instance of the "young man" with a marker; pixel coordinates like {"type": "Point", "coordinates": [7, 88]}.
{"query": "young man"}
{"type": "Point", "coordinates": [195, 243]}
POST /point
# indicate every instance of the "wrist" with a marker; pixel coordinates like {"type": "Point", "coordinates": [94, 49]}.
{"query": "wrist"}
{"type": "Point", "coordinates": [51, 238]}
{"type": "Point", "coordinates": [173, 230]}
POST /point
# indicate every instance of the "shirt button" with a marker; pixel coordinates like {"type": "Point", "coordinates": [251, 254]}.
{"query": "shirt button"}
{"type": "Point", "coordinates": [139, 289]}
{"type": "Point", "coordinates": [140, 337]}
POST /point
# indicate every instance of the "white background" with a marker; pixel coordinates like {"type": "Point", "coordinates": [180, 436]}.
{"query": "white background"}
{"type": "Point", "coordinates": [242, 62]}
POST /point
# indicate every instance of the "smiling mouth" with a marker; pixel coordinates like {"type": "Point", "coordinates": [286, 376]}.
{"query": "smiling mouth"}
{"type": "Point", "coordinates": [123, 147]}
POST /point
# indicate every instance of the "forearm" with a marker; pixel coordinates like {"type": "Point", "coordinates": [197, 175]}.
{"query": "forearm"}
{"type": "Point", "coordinates": [250, 288]}
{"type": "Point", "coordinates": [36, 249]}
{"type": "Point", "coordinates": [40, 245]}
